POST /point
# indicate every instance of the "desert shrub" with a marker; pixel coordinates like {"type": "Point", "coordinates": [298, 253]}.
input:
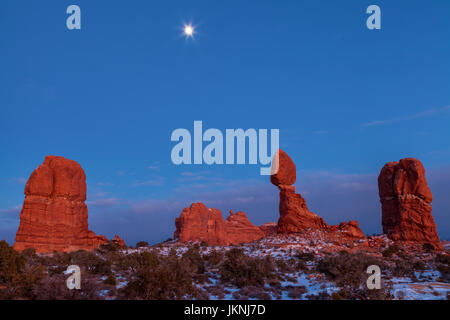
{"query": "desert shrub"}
{"type": "Point", "coordinates": [305, 256]}
{"type": "Point", "coordinates": [11, 263]}
{"type": "Point", "coordinates": [17, 275]}
{"type": "Point", "coordinates": [301, 265]}
{"type": "Point", "coordinates": [389, 252]}
{"type": "Point", "coordinates": [428, 247]}
{"type": "Point", "coordinates": [403, 268]}
{"type": "Point", "coordinates": [348, 270]}
{"type": "Point", "coordinates": [242, 270]}
{"type": "Point", "coordinates": [214, 258]}
{"type": "Point", "coordinates": [323, 295]}
{"type": "Point", "coordinates": [282, 266]}
{"type": "Point", "coordinates": [193, 261]}
{"type": "Point", "coordinates": [141, 244]}
{"type": "Point", "coordinates": [362, 293]}
{"type": "Point", "coordinates": [91, 262]}
{"type": "Point", "coordinates": [136, 261]}
{"type": "Point", "coordinates": [443, 258]}
{"type": "Point", "coordinates": [419, 265]}
{"type": "Point", "coordinates": [296, 292]}
{"type": "Point", "coordinates": [108, 247]}
{"type": "Point", "coordinates": [111, 280]}
{"type": "Point", "coordinates": [55, 288]}
{"type": "Point", "coordinates": [158, 277]}
{"type": "Point", "coordinates": [255, 292]}
{"type": "Point", "coordinates": [444, 269]}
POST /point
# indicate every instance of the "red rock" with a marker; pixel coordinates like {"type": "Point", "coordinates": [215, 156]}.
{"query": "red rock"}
{"type": "Point", "coordinates": [351, 229]}
{"type": "Point", "coordinates": [54, 216]}
{"type": "Point", "coordinates": [117, 240]}
{"type": "Point", "coordinates": [285, 170]}
{"type": "Point", "coordinates": [199, 223]}
{"type": "Point", "coordinates": [294, 213]}
{"type": "Point", "coordinates": [240, 229]}
{"type": "Point", "coordinates": [269, 228]}
{"type": "Point", "coordinates": [406, 203]}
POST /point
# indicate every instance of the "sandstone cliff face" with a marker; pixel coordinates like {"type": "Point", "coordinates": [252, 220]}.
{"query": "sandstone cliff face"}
{"type": "Point", "coordinates": [199, 223]}
{"type": "Point", "coordinates": [54, 216]}
{"type": "Point", "coordinates": [240, 229]}
{"type": "Point", "coordinates": [294, 213]}
{"type": "Point", "coordinates": [406, 202]}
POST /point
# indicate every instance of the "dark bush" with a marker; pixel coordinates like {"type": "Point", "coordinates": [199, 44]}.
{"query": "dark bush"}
{"type": "Point", "coordinates": [162, 278]}
{"type": "Point", "coordinates": [214, 258]}
{"type": "Point", "coordinates": [389, 252]}
{"type": "Point", "coordinates": [296, 292]}
{"type": "Point", "coordinates": [141, 244]}
{"type": "Point", "coordinates": [11, 263]}
{"type": "Point", "coordinates": [241, 270]}
{"type": "Point", "coordinates": [428, 247]}
{"type": "Point", "coordinates": [111, 280]}
{"type": "Point", "coordinates": [345, 268]}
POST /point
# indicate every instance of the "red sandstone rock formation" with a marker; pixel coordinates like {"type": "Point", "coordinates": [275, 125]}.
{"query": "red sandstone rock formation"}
{"type": "Point", "coordinates": [54, 216]}
{"type": "Point", "coordinates": [240, 230]}
{"type": "Point", "coordinates": [118, 240]}
{"type": "Point", "coordinates": [199, 223]}
{"type": "Point", "coordinates": [406, 202]}
{"type": "Point", "coordinates": [294, 213]}
{"type": "Point", "coordinates": [349, 229]}
{"type": "Point", "coordinates": [269, 228]}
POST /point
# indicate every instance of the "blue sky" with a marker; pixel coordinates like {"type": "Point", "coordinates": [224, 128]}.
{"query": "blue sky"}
{"type": "Point", "coordinates": [346, 100]}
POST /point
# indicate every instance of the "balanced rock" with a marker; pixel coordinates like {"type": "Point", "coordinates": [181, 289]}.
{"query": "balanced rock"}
{"type": "Point", "coordinates": [406, 203]}
{"type": "Point", "coordinates": [54, 216]}
{"type": "Point", "coordinates": [284, 171]}
{"type": "Point", "coordinates": [200, 223]}
{"type": "Point", "coordinates": [294, 213]}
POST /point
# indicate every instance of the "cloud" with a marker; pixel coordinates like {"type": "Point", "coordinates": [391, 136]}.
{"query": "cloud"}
{"type": "Point", "coordinates": [155, 181]}
{"type": "Point", "coordinates": [105, 184]}
{"type": "Point", "coordinates": [19, 180]}
{"type": "Point", "coordinates": [423, 114]}
{"type": "Point", "coordinates": [187, 174]}
{"type": "Point", "coordinates": [11, 211]}
{"type": "Point", "coordinates": [106, 202]}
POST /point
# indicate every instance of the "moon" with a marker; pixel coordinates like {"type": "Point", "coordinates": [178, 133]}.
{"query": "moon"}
{"type": "Point", "coordinates": [188, 31]}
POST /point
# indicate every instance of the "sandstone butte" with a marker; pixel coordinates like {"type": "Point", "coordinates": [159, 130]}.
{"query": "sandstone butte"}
{"type": "Point", "coordinates": [406, 203]}
{"type": "Point", "coordinates": [200, 223]}
{"type": "Point", "coordinates": [294, 213]}
{"type": "Point", "coordinates": [54, 215]}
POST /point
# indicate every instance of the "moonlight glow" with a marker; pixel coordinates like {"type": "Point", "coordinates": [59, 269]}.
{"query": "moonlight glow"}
{"type": "Point", "coordinates": [188, 30]}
